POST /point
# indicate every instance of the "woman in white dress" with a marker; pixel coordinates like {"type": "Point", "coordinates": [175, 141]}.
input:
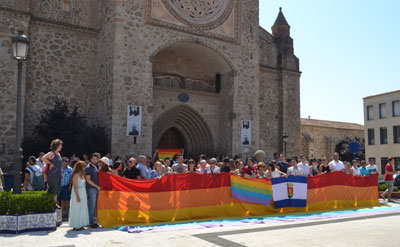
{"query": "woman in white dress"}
{"type": "Point", "coordinates": [78, 214]}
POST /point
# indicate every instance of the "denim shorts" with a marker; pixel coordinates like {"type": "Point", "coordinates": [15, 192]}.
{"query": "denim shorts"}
{"type": "Point", "coordinates": [389, 185]}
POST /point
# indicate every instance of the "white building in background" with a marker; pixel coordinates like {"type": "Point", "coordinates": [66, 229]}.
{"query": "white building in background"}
{"type": "Point", "coordinates": [382, 128]}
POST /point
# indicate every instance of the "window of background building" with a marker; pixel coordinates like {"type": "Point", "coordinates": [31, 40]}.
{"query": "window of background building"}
{"type": "Point", "coordinates": [396, 108]}
{"type": "Point", "coordinates": [384, 161]}
{"type": "Point", "coordinates": [66, 5]}
{"type": "Point", "coordinates": [397, 164]}
{"type": "Point", "coordinates": [371, 136]}
{"type": "Point", "coordinates": [396, 134]}
{"type": "Point", "coordinates": [382, 110]}
{"type": "Point", "coordinates": [370, 112]}
{"type": "Point", "coordinates": [383, 134]}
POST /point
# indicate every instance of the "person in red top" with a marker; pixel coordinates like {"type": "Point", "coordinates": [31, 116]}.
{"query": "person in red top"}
{"type": "Point", "coordinates": [250, 170]}
{"type": "Point", "coordinates": [389, 180]}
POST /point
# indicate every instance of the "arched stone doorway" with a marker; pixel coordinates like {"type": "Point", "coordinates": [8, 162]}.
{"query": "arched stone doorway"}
{"type": "Point", "coordinates": [189, 129]}
{"type": "Point", "coordinates": [172, 138]}
{"type": "Point", "coordinates": [192, 89]}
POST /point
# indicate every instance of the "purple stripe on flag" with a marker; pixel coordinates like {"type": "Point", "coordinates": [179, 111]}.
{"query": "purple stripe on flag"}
{"type": "Point", "coordinates": [250, 199]}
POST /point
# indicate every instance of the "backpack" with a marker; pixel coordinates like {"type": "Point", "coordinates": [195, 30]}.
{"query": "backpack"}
{"type": "Point", "coordinates": [38, 179]}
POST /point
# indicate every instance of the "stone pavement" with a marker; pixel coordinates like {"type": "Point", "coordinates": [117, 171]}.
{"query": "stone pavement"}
{"type": "Point", "coordinates": [371, 230]}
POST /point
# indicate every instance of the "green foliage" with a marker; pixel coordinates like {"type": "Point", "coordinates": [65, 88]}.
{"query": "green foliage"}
{"type": "Point", "coordinates": [342, 148]}
{"type": "Point", "coordinates": [26, 203]}
{"type": "Point", "coordinates": [395, 189]}
{"type": "Point", "coordinates": [68, 125]}
{"type": "Point", "coordinates": [382, 187]}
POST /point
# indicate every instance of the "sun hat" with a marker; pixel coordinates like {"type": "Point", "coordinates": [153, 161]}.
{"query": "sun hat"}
{"type": "Point", "coordinates": [105, 160]}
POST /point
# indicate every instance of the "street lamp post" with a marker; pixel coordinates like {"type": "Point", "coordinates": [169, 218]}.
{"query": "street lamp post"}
{"type": "Point", "coordinates": [285, 139]}
{"type": "Point", "coordinates": [20, 44]}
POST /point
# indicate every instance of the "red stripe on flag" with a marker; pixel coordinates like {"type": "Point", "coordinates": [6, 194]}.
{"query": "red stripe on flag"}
{"type": "Point", "coordinates": [174, 182]}
{"type": "Point", "coordinates": [341, 178]}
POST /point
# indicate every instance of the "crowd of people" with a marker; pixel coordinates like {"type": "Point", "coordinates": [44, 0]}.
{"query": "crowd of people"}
{"type": "Point", "coordinates": [75, 185]}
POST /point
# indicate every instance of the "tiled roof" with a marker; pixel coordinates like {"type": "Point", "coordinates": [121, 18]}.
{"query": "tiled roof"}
{"type": "Point", "coordinates": [376, 95]}
{"type": "Point", "coordinates": [331, 124]}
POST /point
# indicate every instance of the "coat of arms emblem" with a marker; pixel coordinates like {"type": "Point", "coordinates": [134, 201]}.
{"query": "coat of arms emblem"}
{"type": "Point", "coordinates": [290, 190]}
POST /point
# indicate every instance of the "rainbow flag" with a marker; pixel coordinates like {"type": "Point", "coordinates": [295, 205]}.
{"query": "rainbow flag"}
{"type": "Point", "coordinates": [338, 190]}
{"type": "Point", "coordinates": [254, 190]}
{"type": "Point", "coordinates": [168, 153]}
{"type": "Point", "coordinates": [196, 196]}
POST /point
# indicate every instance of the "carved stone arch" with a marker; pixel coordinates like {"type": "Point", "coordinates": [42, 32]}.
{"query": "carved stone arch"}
{"type": "Point", "coordinates": [194, 129]}
{"type": "Point", "coordinates": [195, 41]}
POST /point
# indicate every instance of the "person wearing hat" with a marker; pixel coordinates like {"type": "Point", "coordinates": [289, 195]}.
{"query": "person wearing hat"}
{"type": "Point", "coordinates": [104, 165]}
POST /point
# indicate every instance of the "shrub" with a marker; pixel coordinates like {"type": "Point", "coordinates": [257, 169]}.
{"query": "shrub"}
{"type": "Point", "coordinates": [26, 203]}
{"type": "Point", "coordinates": [395, 189]}
{"type": "Point", "coordinates": [382, 187]}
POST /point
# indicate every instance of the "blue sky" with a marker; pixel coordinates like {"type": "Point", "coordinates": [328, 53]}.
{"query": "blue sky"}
{"type": "Point", "coordinates": [348, 49]}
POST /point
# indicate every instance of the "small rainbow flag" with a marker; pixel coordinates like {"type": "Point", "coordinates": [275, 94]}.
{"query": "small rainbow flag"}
{"type": "Point", "coordinates": [168, 153]}
{"type": "Point", "coordinates": [254, 190]}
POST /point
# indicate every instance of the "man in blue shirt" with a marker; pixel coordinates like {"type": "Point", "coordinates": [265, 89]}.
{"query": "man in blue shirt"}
{"type": "Point", "coordinates": [282, 165]}
{"type": "Point", "coordinates": [144, 167]}
{"type": "Point", "coordinates": [363, 169]}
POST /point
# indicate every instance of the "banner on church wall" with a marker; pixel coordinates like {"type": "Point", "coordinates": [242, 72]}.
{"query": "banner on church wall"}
{"type": "Point", "coordinates": [134, 121]}
{"type": "Point", "coordinates": [245, 132]}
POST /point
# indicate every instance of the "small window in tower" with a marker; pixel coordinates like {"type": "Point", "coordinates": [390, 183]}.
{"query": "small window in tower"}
{"type": "Point", "coordinates": [66, 5]}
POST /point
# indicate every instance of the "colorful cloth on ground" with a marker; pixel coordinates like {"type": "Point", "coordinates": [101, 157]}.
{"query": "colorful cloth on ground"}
{"type": "Point", "coordinates": [254, 190]}
{"type": "Point", "coordinates": [168, 153]}
{"type": "Point", "coordinates": [190, 196]}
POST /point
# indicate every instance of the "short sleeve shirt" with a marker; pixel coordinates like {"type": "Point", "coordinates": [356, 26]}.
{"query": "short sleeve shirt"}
{"type": "Point", "coordinates": [371, 169]}
{"type": "Point", "coordinates": [283, 166]}
{"type": "Point", "coordinates": [67, 172]}
{"type": "Point", "coordinates": [293, 171]}
{"type": "Point", "coordinates": [305, 168]}
{"type": "Point", "coordinates": [336, 166]}
{"type": "Point", "coordinates": [131, 173]}
{"type": "Point", "coordinates": [91, 171]}
{"type": "Point", "coordinates": [388, 168]}
{"type": "Point", "coordinates": [250, 171]}
{"type": "Point", "coordinates": [145, 172]}
{"type": "Point", "coordinates": [364, 171]}
{"type": "Point", "coordinates": [179, 168]}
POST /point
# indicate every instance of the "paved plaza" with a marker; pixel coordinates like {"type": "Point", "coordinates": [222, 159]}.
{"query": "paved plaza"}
{"type": "Point", "coordinates": [329, 231]}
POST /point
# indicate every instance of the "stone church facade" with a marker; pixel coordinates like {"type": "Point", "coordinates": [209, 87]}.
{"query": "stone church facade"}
{"type": "Point", "coordinates": [104, 55]}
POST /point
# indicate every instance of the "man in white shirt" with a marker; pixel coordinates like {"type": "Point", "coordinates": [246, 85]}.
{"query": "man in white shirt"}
{"type": "Point", "coordinates": [39, 160]}
{"type": "Point", "coordinates": [293, 170]}
{"type": "Point", "coordinates": [336, 164]}
{"type": "Point", "coordinates": [371, 167]}
{"type": "Point", "coordinates": [304, 166]}
{"type": "Point", "coordinates": [204, 167]}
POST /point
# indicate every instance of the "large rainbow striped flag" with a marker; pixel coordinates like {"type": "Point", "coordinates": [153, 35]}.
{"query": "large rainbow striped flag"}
{"type": "Point", "coordinates": [168, 153]}
{"type": "Point", "coordinates": [190, 196]}
{"type": "Point", "coordinates": [254, 190]}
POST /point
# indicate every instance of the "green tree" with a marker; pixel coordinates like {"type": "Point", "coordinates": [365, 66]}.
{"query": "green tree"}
{"type": "Point", "coordinates": [68, 125]}
{"type": "Point", "coordinates": [343, 149]}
